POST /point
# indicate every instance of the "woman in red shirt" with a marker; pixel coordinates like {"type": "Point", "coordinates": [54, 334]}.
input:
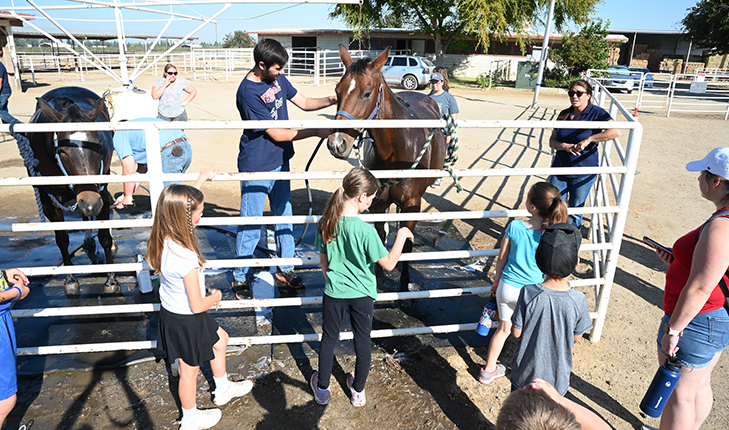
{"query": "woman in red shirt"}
{"type": "Point", "coordinates": [695, 328]}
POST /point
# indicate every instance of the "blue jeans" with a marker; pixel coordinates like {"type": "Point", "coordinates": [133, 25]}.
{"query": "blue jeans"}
{"type": "Point", "coordinates": [574, 191]}
{"type": "Point", "coordinates": [704, 337]}
{"type": "Point", "coordinates": [252, 200]}
{"type": "Point", "coordinates": [4, 114]}
{"type": "Point", "coordinates": [174, 164]}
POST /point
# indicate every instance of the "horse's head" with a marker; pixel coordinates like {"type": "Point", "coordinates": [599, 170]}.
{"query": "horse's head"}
{"type": "Point", "coordinates": [78, 152]}
{"type": "Point", "coordinates": [359, 94]}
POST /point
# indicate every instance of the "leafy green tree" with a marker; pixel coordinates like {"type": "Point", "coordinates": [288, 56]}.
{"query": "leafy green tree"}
{"type": "Point", "coordinates": [588, 49]}
{"type": "Point", "coordinates": [446, 20]}
{"type": "Point", "coordinates": [708, 24]}
{"type": "Point", "coordinates": [238, 39]}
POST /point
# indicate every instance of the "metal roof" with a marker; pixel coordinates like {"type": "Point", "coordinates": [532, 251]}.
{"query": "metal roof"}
{"type": "Point", "coordinates": [402, 31]}
{"type": "Point", "coordinates": [88, 34]}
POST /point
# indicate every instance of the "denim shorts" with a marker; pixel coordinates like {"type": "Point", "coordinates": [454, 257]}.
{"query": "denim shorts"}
{"type": "Point", "coordinates": [705, 336]}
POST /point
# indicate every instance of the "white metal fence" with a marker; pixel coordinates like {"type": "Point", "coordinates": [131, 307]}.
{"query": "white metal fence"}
{"type": "Point", "coordinates": [697, 93]}
{"type": "Point", "coordinates": [608, 206]}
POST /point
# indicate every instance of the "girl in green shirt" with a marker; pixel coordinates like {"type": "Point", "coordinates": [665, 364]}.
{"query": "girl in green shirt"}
{"type": "Point", "coordinates": [348, 247]}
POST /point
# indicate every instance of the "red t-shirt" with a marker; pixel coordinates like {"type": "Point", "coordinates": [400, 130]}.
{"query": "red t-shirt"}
{"type": "Point", "coordinates": [679, 270]}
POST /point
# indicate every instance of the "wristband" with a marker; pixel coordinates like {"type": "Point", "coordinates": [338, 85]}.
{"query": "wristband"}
{"type": "Point", "coordinates": [20, 293]}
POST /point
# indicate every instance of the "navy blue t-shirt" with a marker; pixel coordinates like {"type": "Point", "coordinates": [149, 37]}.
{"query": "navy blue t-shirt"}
{"type": "Point", "coordinates": [261, 101]}
{"type": "Point", "coordinates": [6, 82]}
{"type": "Point", "coordinates": [589, 156]}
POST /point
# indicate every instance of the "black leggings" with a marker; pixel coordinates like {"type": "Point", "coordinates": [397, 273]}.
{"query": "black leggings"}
{"type": "Point", "coordinates": [360, 314]}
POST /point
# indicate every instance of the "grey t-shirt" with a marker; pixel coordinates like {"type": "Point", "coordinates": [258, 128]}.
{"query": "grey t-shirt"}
{"type": "Point", "coordinates": [549, 321]}
{"type": "Point", "coordinates": [170, 104]}
{"type": "Point", "coordinates": [446, 102]}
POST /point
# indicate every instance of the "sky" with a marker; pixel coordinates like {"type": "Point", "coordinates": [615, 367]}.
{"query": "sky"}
{"type": "Point", "coordinates": [623, 14]}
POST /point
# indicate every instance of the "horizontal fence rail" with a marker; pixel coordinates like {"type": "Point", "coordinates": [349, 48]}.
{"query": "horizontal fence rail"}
{"type": "Point", "coordinates": [604, 247]}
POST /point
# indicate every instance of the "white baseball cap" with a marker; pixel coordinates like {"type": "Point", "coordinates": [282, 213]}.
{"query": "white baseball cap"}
{"type": "Point", "coordinates": [717, 162]}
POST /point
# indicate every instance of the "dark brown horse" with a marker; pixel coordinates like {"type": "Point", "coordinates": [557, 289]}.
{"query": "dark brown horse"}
{"type": "Point", "coordinates": [69, 154]}
{"type": "Point", "coordinates": [363, 94]}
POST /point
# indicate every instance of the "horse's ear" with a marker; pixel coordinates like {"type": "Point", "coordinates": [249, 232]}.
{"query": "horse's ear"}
{"type": "Point", "coordinates": [48, 110]}
{"type": "Point", "coordinates": [344, 55]}
{"type": "Point", "coordinates": [96, 110]}
{"type": "Point", "coordinates": [381, 59]}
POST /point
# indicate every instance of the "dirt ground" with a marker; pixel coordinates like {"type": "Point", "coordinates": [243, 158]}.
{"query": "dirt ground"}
{"type": "Point", "coordinates": [418, 388]}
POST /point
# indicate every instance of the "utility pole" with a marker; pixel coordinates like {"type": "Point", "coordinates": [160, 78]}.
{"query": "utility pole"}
{"type": "Point", "coordinates": [545, 46]}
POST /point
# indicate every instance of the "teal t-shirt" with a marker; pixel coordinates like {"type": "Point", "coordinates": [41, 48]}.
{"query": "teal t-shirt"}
{"type": "Point", "coordinates": [351, 257]}
{"type": "Point", "coordinates": [521, 269]}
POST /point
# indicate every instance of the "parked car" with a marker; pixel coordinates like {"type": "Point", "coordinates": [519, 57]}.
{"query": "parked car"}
{"type": "Point", "coordinates": [410, 72]}
{"type": "Point", "coordinates": [619, 78]}
{"type": "Point", "coordinates": [636, 72]}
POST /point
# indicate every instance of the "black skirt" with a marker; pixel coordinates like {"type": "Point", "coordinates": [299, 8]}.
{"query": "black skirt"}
{"type": "Point", "coordinates": [189, 337]}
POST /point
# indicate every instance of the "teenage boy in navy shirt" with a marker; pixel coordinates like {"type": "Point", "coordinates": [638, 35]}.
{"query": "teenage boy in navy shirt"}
{"type": "Point", "coordinates": [262, 95]}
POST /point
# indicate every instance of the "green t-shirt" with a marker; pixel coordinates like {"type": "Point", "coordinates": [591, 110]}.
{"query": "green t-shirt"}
{"type": "Point", "coordinates": [351, 257]}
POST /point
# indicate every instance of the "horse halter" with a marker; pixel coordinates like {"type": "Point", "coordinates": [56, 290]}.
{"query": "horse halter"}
{"type": "Point", "coordinates": [374, 112]}
{"type": "Point", "coordinates": [80, 144]}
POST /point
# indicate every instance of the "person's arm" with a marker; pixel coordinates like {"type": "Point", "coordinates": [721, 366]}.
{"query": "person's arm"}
{"type": "Point", "coordinates": [709, 263]}
{"type": "Point", "coordinates": [191, 93]}
{"type": "Point", "coordinates": [198, 303]}
{"type": "Point", "coordinates": [324, 263]}
{"type": "Point", "coordinates": [206, 174]}
{"type": "Point", "coordinates": [501, 262]}
{"type": "Point", "coordinates": [289, 135]}
{"type": "Point", "coordinates": [390, 260]}
{"type": "Point", "coordinates": [20, 286]}
{"type": "Point", "coordinates": [603, 136]}
{"type": "Point", "coordinates": [308, 104]}
{"type": "Point", "coordinates": [587, 419]}
{"type": "Point", "coordinates": [129, 167]}
{"type": "Point", "coordinates": [516, 332]}
{"type": "Point", "coordinates": [158, 91]}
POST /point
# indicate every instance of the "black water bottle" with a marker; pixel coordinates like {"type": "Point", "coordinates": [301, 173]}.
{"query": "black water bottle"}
{"type": "Point", "coordinates": [661, 388]}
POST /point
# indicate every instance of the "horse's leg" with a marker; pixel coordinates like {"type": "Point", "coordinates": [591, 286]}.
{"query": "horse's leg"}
{"type": "Point", "coordinates": [54, 214]}
{"type": "Point", "coordinates": [380, 207]}
{"type": "Point", "coordinates": [111, 286]}
{"type": "Point", "coordinates": [407, 248]}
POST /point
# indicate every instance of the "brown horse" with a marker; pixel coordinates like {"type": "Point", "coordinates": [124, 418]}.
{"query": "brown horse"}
{"type": "Point", "coordinates": [363, 94]}
{"type": "Point", "coordinates": [69, 154]}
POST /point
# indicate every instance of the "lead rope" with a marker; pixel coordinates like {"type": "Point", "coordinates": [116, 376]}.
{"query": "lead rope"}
{"type": "Point", "coordinates": [451, 150]}
{"type": "Point", "coordinates": [30, 163]}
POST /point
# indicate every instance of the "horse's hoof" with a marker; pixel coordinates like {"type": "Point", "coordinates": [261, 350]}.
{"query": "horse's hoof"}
{"type": "Point", "coordinates": [411, 287]}
{"type": "Point", "coordinates": [72, 289]}
{"type": "Point", "coordinates": [111, 288]}
{"type": "Point", "coordinates": [113, 246]}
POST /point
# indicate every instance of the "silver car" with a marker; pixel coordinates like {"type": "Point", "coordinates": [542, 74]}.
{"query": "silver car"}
{"type": "Point", "coordinates": [619, 78]}
{"type": "Point", "coordinates": [410, 72]}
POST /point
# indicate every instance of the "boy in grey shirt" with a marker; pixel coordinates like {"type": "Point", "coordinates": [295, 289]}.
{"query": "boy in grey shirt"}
{"type": "Point", "coordinates": [550, 317]}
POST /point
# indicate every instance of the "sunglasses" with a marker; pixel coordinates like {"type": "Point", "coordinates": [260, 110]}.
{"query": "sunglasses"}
{"type": "Point", "coordinates": [171, 73]}
{"type": "Point", "coordinates": [578, 92]}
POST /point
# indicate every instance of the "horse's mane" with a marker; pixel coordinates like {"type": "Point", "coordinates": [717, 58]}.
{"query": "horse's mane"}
{"type": "Point", "coordinates": [358, 67]}
{"type": "Point", "coordinates": [70, 109]}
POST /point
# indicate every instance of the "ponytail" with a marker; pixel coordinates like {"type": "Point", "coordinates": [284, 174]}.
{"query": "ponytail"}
{"type": "Point", "coordinates": [357, 182]}
{"type": "Point", "coordinates": [327, 227]}
{"type": "Point", "coordinates": [550, 206]}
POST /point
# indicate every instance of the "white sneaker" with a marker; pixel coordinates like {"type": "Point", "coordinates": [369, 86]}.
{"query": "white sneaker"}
{"type": "Point", "coordinates": [205, 419]}
{"type": "Point", "coordinates": [235, 389]}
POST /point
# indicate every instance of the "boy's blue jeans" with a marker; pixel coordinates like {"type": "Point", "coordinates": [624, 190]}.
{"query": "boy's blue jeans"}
{"type": "Point", "coordinates": [252, 201]}
{"type": "Point", "coordinates": [574, 191]}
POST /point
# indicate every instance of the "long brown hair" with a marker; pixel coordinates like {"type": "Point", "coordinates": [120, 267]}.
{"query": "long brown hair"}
{"type": "Point", "coordinates": [565, 114]}
{"type": "Point", "coordinates": [357, 182]}
{"type": "Point", "coordinates": [550, 206]}
{"type": "Point", "coordinates": [444, 72]}
{"type": "Point", "coordinates": [173, 221]}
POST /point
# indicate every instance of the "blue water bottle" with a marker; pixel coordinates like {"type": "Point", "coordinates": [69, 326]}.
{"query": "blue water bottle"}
{"type": "Point", "coordinates": [489, 318]}
{"type": "Point", "coordinates": [661, 388]}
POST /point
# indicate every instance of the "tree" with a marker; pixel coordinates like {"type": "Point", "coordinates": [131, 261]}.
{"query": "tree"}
{"type": "Point", "coordinates": [708, 24]}
{"type": "Point", "coordinates": [238, 39]}
{"type": "Point", "coordinates": [446, 20]}
{"type": "Point", "coordinates": [585, 50]}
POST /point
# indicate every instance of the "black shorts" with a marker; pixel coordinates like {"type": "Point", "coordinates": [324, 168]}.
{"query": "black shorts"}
{"type": "Point", "coordinates": [190, 337]}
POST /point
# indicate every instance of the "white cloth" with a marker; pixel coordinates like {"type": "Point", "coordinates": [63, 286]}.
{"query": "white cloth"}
{"type": "Point", "coordinates": [178, 261]}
